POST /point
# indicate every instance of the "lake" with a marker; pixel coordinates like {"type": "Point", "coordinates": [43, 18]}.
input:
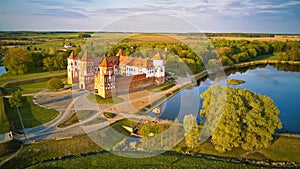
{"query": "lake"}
{"type": "Point", "coordinates": [280, 82]}
{"type": "Point", "coordinates": [2, 70]}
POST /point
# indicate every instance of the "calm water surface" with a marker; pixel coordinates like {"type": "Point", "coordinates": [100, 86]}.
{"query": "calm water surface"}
{"type": "Point", "coordinates": [282, 86]}
{"type": "Point", "coordinates": [2, 70]}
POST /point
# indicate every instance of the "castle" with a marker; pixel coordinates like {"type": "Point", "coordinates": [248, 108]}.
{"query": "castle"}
{"type": "Point", "coordinates": [111, 75]}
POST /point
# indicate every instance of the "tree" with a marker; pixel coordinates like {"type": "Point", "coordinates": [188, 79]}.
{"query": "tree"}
{"type": "Point", "coordinates": [55, 84]}
{"type": "Point", "coordinates": [84, 35]}
{"type": "Point", "coordinates": [17, 101]}
{"type": "Point", "coordinates": [191, 130]}
{"type": "Point", "coordinates": [18, 61]}
{"type": "Point", "coordinates": [48, 63]}
{"type": "Point", "coordinates": [248, 120]}
{"type": "Point", "coordinates": [60, 61]}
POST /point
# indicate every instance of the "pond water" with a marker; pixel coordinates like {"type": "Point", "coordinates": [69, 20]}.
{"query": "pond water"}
{"type": "Point", "coordinates": [2, 70]}
{"type": "Point", "coordinates": [280, 82]}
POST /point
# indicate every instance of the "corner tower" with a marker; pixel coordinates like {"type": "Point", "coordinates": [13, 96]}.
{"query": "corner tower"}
{"type": "Point", "coordinates": [72, 68]}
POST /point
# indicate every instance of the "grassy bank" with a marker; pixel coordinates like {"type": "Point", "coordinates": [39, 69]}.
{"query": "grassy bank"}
{"type": "Point", "coordinates": [4, 124]}
{"type": "Point", "coordinates": [32, 114]}
{"type": "Point", "coordinates": [166, 160]}
{"type": "Point", "coordinates": [283, 149]}
{"type": "Point", "coordinates": [9, 77]}
{"type": "Point", "coordinates": [54, 149]}
{"type": "Point", "coordinates": [28, 88]}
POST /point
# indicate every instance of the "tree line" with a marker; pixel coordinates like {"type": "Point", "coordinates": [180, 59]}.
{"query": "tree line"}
{"type": "Point", "coordinates": [236, 51]}
{"type": "Point", "coordinates": [21, 61]}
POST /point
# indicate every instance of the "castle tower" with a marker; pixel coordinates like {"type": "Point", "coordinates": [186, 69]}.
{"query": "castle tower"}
{"type": "Point", "coordinates": [105, 78]}
{"type": "Point", "coordinates": [159, 67]}
{"type": "Point", "coordinates": [86, 72]}
{"type": "Point", "coordinates": [72, 68]}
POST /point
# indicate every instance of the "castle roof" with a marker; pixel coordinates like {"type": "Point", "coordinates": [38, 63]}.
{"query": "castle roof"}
{"type": "Point", "coordinates": [140, 62]}
{"type": "Point", "coordinates": [109, 61]}
{"type": "Point", "coordinates": [86, 57]}
{"type": "Point", "coordinates": [124, 60]}
{"type": "Point", "coordinates": [120, 53]}
{"type": "Point", "coordinates": [72, 56]}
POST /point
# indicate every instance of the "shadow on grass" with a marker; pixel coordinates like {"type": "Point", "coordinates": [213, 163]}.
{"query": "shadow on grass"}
{"type": "Point", "coordinates": [28, 118]}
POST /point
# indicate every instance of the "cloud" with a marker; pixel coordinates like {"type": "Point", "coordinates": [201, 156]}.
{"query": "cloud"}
{"type": "Point", "coordinates": [60, 13]}
{"type": "Point", "coordinates": [88, 1]}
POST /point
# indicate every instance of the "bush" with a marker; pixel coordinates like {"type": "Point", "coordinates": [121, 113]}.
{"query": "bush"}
{"type": "Point", "coordinates": [55, 84]}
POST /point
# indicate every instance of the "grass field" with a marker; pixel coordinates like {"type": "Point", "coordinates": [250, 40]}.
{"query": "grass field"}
{"type": "Point", "coordinates": [283, 149]}
{"type": "Point", "coordinates": [118, 126]}
{"type": "Point", "coordinates": [100, 100]}
{"type": "Point", "coordinates": [32, 114]}
{"type": "Point", "coordinates": [80, 115]}
{"type": "Point", "coordinates": [4, 124]}
{"type": "Point", "coordinates": [54, 149]}
{"type": "Point", "coordinates": [8, 77]}
{"type": "Point", "coordinates": [167, 160]}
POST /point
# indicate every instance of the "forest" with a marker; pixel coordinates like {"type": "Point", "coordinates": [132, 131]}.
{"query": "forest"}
{"type": "Point", "coordinates": [41, 52]}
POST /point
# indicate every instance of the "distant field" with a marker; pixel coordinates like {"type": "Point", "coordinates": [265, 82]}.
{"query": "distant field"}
{"type": "Point", "coordinates": [260, 38]}
{"type": "Point", "coordinates": [154, 38]}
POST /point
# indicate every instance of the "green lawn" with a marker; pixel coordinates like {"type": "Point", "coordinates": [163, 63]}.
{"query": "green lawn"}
{"type": "Point", "coordinates": [109, 115]}
{"type": "Point", "coordinates": [100, 100]}
{"type": "Point", "coordinates": [8, 148]}
{"type": "Point", "coordinates": [83, 114]}
{"type": "Point", "coordinates": [283, 149]}
{"type": "Point", "coordinates": [9, 77]}
{"type": "Point", "coordinates": [36, 153]}
{"type": "Point", "coordinates": [32, 114]}
{"type": "Point", "coordinates": [4, 124]}
{"type": "Point", "coordinates": [118, 126]}
{"type": "Point", "coordinates": [28, 88]}
{"type": "Point", "coordinates": [166, 160]}
{"type": "Point", "coordinates": [72, 120]}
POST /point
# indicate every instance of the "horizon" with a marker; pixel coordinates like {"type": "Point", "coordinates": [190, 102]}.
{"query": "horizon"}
{"type": "Point", "coordinates": [230, 16]}
{"type": "Point", "coordinates": [95, 31]}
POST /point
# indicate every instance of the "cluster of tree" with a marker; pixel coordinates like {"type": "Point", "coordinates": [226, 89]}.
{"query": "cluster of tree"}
{"type": "Point", "coordinates": [84, 35]}
{"type": "Point", "coordinates": [55, 84]}
{"type": "Point", "coordinates": [167, 49]}
{"type": "Point", "coordinates": [21, 61]}
{"type": "Point", "coordinates": [288, 50]}
{"type": "Point", "coordinates": [239, 118]}
{"type": "Point", "coordinates": [191, 131]}
{"type": "Point", "coordinates": [152, 128]}
{"type": "Point", "coordinates": [236, 51]}
{"type": "Point", "coordinates": [250, 35]}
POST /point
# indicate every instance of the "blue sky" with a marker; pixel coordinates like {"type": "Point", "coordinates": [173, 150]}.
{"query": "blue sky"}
{"type": "Point", "coordinates": [264, 16]}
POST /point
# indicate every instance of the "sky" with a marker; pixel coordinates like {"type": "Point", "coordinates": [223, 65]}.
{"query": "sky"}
{"type": "Point", "coordinates": [255, 16]}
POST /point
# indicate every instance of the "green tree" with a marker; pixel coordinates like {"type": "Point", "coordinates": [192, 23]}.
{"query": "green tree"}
{"type": "Point", "coordinates": [55, 84]}
{"type": "Point", "coordinates": [248, 120]}
{"type": "Point", "coordinates": [60, 61]}
{"type": "Point", "coordinates": [18, 61]}
{"type": "Point", "coordinates": [48, 63]}
{"type": "Point", "coordinates": [17, 101]}
{"type": "Point", "coordinates": [191, 130]}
